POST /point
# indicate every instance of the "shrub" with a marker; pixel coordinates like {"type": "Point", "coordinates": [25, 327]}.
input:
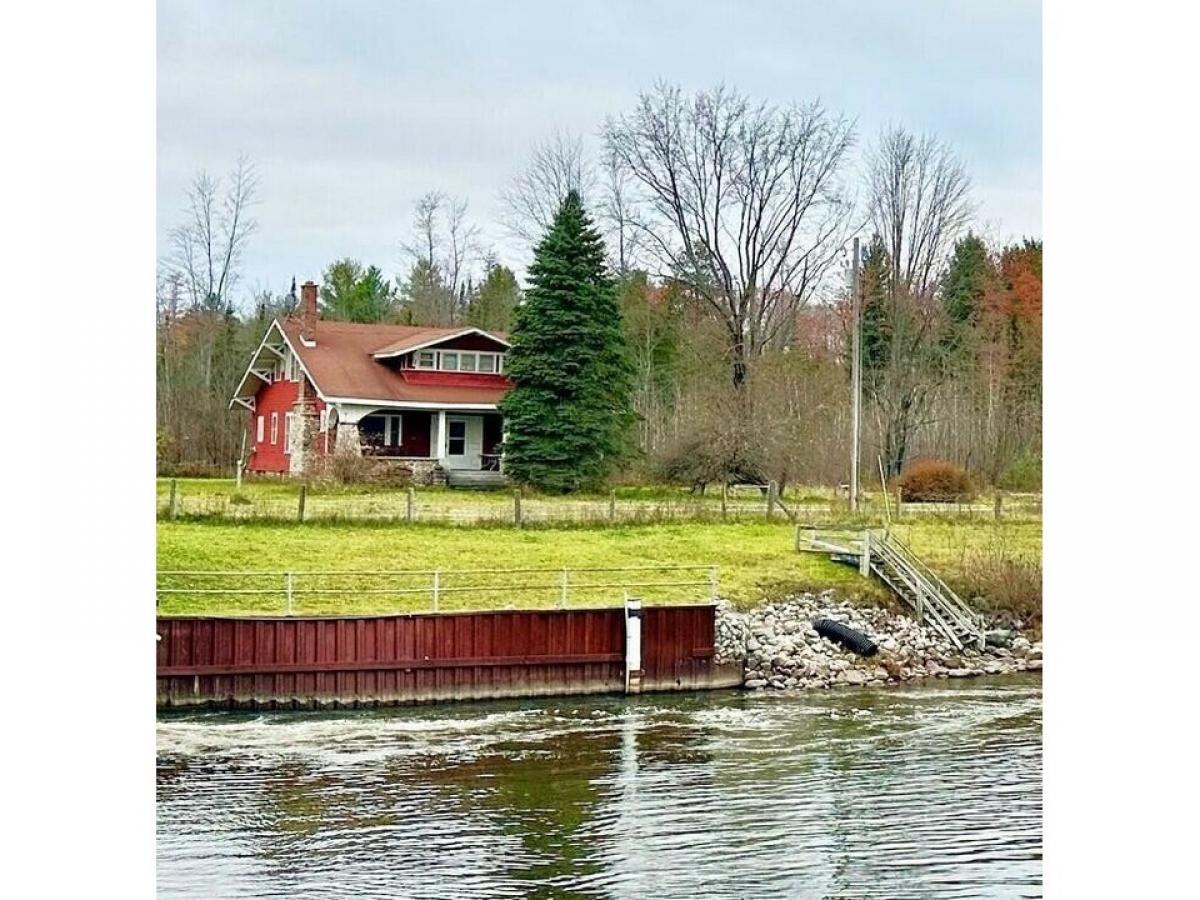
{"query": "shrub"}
{"type": "Point", "coordinates": [697, 461]}
{"type": "Point", "coordinates": [192, 470]}
{"type": "Point", "coordinates": [350, 468]}
{"type": "Point", "coordinates": [1007, 588]}
{"type": "Point", "coordinates": [934, 481]}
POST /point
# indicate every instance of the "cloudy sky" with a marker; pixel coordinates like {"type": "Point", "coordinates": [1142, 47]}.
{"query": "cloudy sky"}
{"type": "Point", "coordinates": [351, 110]}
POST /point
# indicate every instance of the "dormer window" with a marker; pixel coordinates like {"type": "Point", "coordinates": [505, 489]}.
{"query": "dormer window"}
{"type": "Point", "coordinates": [489, 363]}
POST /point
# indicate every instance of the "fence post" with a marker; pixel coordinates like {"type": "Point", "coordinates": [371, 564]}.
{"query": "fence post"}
{"type": "Point", "coordinates": [436, 589]}
{"type": "Point", "coordinates": [174, 503]}
{"type": "Point", "coordinates": [303, 495]}
{"type": "Point", "coordinates": [798, 527]}
{"type": "Point", "coordinates": [999, 504]}
{"type": "Point", "coordinates": [517, 507]}
{"type": "Point", "coordinates": [410, 503]}
{"type": "Point", "coordinates": [724, 498]}
{"type": "Point", "coordinates": [712, 583]}
{"type": "Point", "coordinates": [291, 606]}
{"type": "Point", "coordinates": [771, 490]}
{"type": "Point", "coordinates": [612, 505]}
{"type": "Point", "coordinates": [864, 561]}
{"type": "Point", "coordinates": [899, 499]}
{"type": "Point", "coordinates": [563, 598]}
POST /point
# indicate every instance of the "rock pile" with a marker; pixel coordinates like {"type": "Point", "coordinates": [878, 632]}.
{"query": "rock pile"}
{"type": "Point", "coordinates": [783, 651]}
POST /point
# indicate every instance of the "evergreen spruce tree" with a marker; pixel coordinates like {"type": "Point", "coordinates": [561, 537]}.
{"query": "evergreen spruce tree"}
{"type": "Point", "coordinates": [966, 280]}
{"type": "Point", "coordinates": [568, 412]}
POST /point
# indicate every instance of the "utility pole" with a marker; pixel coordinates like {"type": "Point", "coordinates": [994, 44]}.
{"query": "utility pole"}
{"type": "Point", "coordinates": [855, 378]}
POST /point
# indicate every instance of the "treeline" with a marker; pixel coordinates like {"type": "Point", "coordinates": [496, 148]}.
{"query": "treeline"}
{"type": "Point", "coordinates": [727, 226]}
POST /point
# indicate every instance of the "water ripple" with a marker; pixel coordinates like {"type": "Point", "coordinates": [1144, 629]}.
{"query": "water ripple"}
{"type": "Point", "coordinates": [933, 791]}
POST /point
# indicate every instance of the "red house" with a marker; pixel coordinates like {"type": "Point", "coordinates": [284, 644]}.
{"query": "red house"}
{"type": "Point", "coordinates": [425, 398]}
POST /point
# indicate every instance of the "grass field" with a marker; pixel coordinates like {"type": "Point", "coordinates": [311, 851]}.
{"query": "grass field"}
{"type": "Point", "coordinates": [277, 500]}
{"type": "Point", "coordinates": [757, 560]}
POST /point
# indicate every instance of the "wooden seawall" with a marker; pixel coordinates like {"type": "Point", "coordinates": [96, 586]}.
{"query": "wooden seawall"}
{"type": "Point", "coordinates": [289, 662]}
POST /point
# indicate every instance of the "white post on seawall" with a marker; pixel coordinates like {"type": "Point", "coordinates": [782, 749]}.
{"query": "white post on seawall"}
{"type": "Point", "coordinates": [633, 645]}
{"type": "Point", "coordinates": [855, 378]}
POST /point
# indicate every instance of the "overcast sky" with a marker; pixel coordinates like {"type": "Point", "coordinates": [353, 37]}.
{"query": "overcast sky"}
{"type": "Point", "coordinates": [351, 110]}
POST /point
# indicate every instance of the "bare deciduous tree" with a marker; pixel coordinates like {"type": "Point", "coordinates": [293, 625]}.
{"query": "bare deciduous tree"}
{"type": "Point", "coordinates": [742, 202]}
{"type": "Point", "coordinates": [919, 203]}
{"type": "Point", "coordinates": [206, 247]}
{"type": "Point", "coordinates": [558, 165]}
{"type": "Point", "coordinates": [444, 247]}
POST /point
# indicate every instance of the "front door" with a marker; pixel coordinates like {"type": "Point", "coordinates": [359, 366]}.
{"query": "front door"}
{"type": "Point", "coordinates": [464, 441]}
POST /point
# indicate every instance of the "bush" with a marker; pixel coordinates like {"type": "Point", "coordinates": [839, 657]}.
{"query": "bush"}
{"type": "Point", "coordinates": [192, 470]}
{"type": "Point", "coordinates": [350, 468]}
{"type": "Point", "coordinates": [934, 481]}
{"type": "Point", "coordinates": [1007, 589]}
{"type": "Point", "coordinates": [697, 461]}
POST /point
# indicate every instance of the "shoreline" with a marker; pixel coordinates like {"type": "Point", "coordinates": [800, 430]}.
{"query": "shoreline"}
{"type": "Point", "coordinates": [782, 651]}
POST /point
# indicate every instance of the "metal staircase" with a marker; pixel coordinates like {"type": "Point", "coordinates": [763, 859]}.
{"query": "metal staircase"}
{"type": "Point", "coordinates": [882, 553]}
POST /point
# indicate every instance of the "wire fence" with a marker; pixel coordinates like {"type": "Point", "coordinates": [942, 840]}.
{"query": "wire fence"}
{"type": "Point", "coordinates": [293, 593]}
{"type": "Point", "coordinates": [515, 509]}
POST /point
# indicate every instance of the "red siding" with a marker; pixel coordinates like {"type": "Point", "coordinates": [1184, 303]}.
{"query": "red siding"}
{"type": "Point", "coordinates": [427, 376]}
{"type": "Point", "coordinates": [280, 398]}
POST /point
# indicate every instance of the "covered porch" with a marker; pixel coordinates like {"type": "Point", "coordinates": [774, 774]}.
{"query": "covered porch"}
{"type": "Point", "coordinates": [454, 440]}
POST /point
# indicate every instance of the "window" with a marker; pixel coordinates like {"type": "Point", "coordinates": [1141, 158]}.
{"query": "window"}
{"type": "Point", "coordinates": [274, 427]}
{"type": "Point", "coordinates": [324, 426]}
{"type": "Point", "coordinates": [287, 431]}
{"type": "Point", "coordinates": [261, 428]}
{"type": "Point", "coordinates": [459, 361]}
{"type": "Point", "coordinates": [457, 432]}
{"type": "Point", "coordinates": [392, 435]}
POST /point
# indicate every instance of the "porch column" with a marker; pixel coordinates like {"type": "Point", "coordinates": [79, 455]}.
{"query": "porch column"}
{"type": "Point", "coordinates": [439, 447]}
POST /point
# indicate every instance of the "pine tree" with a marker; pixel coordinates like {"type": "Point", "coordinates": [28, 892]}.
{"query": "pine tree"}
{"type": "Point", "coordinates": [966, 280]}
{"type": "Point", "coordinates": [492, 306]}
{"type": "Point", "coordinates": [568, 413]}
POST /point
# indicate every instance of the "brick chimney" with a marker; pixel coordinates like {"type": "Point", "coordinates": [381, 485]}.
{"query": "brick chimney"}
{"type": "Point", "coordinates": [308, 314]}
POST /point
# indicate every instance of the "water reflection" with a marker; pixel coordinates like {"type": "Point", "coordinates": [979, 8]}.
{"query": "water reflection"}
{"type": "Point", "coordinates": [932, 791]}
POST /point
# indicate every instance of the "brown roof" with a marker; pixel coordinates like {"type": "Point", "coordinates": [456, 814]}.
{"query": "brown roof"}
{"type": "Point", "coordinates": [425, 336]}
{"type": "Point", "coordinates": [342, 365]}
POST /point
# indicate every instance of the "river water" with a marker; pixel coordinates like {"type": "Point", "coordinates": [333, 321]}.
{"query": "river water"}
{"type": "Point", "coordinates": [924, 791]}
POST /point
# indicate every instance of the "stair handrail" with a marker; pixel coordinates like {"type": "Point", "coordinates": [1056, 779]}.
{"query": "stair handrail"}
{"type": "Point", "coordinates": [928, 602]}
{"type": "Point", "coordinates": [952, 596]}
{"type": "Point", "coordinates": [933, 602]}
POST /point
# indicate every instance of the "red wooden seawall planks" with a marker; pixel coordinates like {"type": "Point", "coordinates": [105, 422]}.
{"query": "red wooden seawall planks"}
{"type": "Point", "coordinates": [425, 657]}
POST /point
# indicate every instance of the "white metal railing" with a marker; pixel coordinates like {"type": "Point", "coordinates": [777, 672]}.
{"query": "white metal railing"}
{"type": "Point", "coordinates": [293, 587]}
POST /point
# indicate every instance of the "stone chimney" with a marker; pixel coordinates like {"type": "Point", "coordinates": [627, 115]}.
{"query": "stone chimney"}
{"type": "Point", "coordinates": [308, 314]}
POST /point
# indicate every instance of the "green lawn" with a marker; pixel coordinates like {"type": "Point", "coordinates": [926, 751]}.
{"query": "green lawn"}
{"type": "Point", "coordinates": [277, 499]}
{"type": "Point", "coordinates": [756, 560]}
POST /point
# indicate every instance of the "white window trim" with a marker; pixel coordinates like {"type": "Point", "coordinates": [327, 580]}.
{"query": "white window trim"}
{"type": "Point", "coordinates": [274, 428]}
{"type": "Point", "coordinates": [439, 361]}
{"type": "Point", "coordinates": [262, 429]}
{"type": "Point", "coordinates": [324, 426]}
{"type": "Point", "coordinates": [288, 421]}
